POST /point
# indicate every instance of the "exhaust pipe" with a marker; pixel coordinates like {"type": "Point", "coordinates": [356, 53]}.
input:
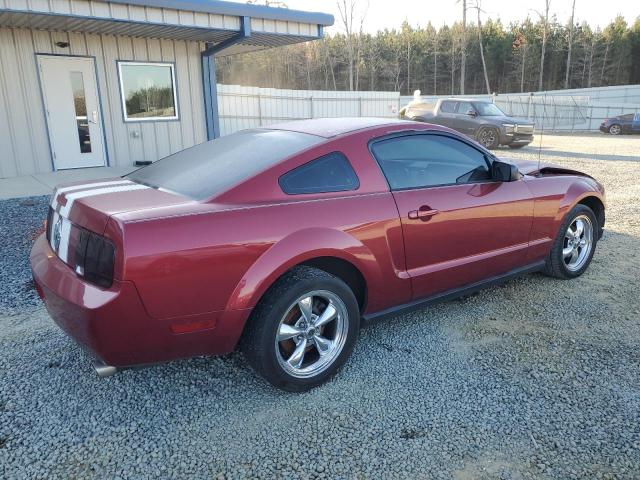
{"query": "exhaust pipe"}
{"type": "Point", "coordinates": [102, 369]}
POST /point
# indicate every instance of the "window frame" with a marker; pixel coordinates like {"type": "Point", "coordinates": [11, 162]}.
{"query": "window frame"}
{"type": "Point", "coordinates": [453, 102]}
{"type": "Point", "coordinates": [123, 102]}
{"type": "Point", "coordinates": [488, 158]}
{"type": "Point", "coordinates": [355, 174]}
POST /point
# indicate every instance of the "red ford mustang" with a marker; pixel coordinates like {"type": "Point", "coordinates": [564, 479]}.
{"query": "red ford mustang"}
{"type": "Point", "coordinates": [283, 240]}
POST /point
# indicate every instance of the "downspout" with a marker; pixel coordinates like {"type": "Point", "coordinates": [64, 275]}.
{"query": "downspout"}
{"type": "Point", "coordinates": [210, 86]}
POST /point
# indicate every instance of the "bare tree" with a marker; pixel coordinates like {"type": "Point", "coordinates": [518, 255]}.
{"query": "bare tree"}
{"type": "Point", "coordinates": [347, 9]}
{"type": "Point", "coordinates": [545, 29]}
{"type": "Point", "coordinates": [463, 46]}
{"type": "Point", "coordinates": [478, 8]}
{"type": "Point", "coordinates": [566, 76]}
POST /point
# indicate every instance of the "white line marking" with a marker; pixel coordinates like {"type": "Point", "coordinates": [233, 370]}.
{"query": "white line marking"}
{"type": "Point", "coordinates": [72, 197]}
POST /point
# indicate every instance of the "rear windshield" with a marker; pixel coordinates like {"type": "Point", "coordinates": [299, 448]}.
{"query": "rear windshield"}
{"type": "Point", "coordinates": [209, 168]}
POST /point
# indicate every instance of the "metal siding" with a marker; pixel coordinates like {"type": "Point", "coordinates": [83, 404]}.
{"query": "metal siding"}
{"type": "Point", "coordinates": [13, 87]}
{"type": "Point", "coordinates": [23, 135]}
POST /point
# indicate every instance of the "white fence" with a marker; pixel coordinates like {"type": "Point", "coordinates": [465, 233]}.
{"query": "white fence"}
{"type": "Point", "coordinates": [248, 107]}
{"type": "Point", "coordinates": [562, 110]}
{"type": "Point", "coordinates": [557, 110]}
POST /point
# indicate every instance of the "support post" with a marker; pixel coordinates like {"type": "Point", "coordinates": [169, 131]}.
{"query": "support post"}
{"type": "Point", "coordinates": [209, 82]}
{"type": "Point", "coordinates": [210, 88]}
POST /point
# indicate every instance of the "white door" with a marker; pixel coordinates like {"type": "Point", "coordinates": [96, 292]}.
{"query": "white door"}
{"type": "Point", "coordinates": [72, 108]}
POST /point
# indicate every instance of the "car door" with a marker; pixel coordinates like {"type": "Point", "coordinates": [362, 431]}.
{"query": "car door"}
{"type": "Point", "coordinates": [446, 113]}
{"type": "Point", "coordinates": [459, 225]}
{"type": "Point", "coordinates": [463, 122]}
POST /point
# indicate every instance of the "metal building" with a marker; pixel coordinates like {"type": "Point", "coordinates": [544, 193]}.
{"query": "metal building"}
{"type": "Point", "coordinates": [121, 82]}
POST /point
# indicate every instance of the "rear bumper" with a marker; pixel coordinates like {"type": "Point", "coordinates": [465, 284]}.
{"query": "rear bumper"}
{"type": "Point", "coordinates": [113, 325]}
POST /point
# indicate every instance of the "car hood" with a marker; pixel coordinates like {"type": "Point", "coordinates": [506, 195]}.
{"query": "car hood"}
{"type": "Point", "coordinates": [533, 167]}
{"type": "Point", "coordinates": [507, 119]}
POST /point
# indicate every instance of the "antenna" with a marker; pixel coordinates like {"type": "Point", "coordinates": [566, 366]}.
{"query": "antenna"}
{"type": "Point", "coordinates": [544, 115]}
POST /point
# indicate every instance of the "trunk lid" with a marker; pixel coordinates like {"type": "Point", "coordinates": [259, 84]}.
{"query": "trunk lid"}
{"type": "Point", "coordinates": [89, 205]}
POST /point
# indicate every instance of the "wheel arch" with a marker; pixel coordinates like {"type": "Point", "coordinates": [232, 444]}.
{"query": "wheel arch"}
{"type": "Point", "coordinates": [597, 206]}
{"type": "Point", "coordinates": [333, 251]}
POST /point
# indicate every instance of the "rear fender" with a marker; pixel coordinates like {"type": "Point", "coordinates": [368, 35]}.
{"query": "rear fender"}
{"type": "Point", "coordinates": [297, 248]}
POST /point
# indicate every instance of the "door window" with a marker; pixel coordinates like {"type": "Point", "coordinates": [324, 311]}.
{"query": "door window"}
{"type": "Point", "coordinates": [417, 161]}
{"type": "Point", "coordinates": [448, 107]}
{"type": "Point", "coordinates": [80, 106]}
{"type": "Point", "coordinates": [464, 107]}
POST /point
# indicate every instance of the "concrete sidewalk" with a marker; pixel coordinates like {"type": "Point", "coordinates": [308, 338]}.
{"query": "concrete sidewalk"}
{"type": "Point", "coordinates": [43, 183]}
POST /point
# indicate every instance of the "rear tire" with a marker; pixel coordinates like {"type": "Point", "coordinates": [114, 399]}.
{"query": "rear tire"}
{"type": "Point", "coordinates": [573, 248]}
{"type": "Point", "coordinates": [489, 137]}
{"type": "Point", "coordinates": [615, 129]}
{"type": "Point", "coordinates": [303, 330]}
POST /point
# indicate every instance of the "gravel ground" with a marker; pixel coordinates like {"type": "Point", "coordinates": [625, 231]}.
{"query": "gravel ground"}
{"type": "Point", "coordinates": [539, 378]}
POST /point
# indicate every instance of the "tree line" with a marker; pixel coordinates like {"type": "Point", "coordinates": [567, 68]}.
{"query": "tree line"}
{"type": "Point", "coordinates": [484, 56]}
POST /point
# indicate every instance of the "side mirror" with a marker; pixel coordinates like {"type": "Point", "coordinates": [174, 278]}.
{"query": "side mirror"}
{"type": "Point", "coordinates": [471, 112]}
{"type": "Point", "coordinates": [504, 172]}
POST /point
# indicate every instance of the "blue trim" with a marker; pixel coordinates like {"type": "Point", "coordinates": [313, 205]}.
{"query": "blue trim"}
{"type": "Point", "coordinates": [44, 105]}
{"type": "Point", "coordinates": [209, 82]}
{"type": "Point", "coordinates": [245, 32]}
{"type": "Point", "coordinates": [175, 91]}
{"type": "Point", "coordinates": [236, 9]}
{"type": "Point", "coordinates": [210, 89]}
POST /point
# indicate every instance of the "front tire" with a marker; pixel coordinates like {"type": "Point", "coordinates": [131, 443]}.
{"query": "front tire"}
{"type": "Point", "coordinates": [489, 137]}
{"type": "Point", "coordinates": [303, 330]}
{"type": "Point", "coordinates": [615, 129]}
{"type": "Point", "coordinates": [575, 244]}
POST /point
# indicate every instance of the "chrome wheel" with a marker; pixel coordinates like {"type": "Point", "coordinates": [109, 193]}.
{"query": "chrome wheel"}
{"type": "Point", "coordinates": [312, 333]}
{"type": "Point", "coordinates": [615, 129]}
{"type": "Point", "coordinates": [488, 137]}
{"type": "Point", "coordinates": [578, 242]}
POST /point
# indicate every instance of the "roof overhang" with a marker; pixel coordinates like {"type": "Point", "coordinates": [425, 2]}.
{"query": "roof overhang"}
{"type": "Point", "coordinates": [232, 27]}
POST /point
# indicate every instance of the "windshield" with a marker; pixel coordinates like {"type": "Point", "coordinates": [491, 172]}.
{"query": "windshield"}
{"type": "Point", "coordinates": [200, 172]}
{"type": "Point", "coordinates": [488, 110]}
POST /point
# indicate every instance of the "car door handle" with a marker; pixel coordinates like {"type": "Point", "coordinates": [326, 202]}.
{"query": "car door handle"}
{"type": "Point", "coordinates": [423, 213]}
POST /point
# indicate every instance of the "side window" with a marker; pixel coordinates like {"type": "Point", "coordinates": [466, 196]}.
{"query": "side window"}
{"type": "Point", "coordinates": [464, 107]}
{"type": "Point", "coordinates": [329, 173]}
{"type": "Point", "coordinates": [448, 107]}
{"type": "Point", "coordinates": [417, 161]}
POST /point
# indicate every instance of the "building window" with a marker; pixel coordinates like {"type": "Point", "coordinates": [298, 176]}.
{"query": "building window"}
{"type": "Point", "coordinates": [148, 91]}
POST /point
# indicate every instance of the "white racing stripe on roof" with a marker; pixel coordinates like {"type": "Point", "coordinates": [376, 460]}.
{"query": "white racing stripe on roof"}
{"type": "Point", "coordinates": [85, 186]}
{"type": "Point", "coordinates": [72, 197]}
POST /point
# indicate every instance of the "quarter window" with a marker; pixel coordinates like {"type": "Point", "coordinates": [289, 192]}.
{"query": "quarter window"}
{"type": "Point", "coordinates": [148, 91]}
{"type": "Point", "coordinates": [330, 173]}
{"type": "Point", "coordinates": [417, 161]}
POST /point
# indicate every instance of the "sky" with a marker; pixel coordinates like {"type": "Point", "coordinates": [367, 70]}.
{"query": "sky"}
{"type": "Point", "coordinates": [390, 14]}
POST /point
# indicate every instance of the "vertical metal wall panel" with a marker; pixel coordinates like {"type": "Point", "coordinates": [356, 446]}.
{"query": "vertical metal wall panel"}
{"type": "Point", "coordinates": [15, 104]}
{"type": "Point", "coordinates": [24, 140]}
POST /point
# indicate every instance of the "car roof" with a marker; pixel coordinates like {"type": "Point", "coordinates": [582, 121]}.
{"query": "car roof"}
{"type": "Point", "coordinates": [466, 100]}
{"type": "Point", "coordinates": [332, 127]}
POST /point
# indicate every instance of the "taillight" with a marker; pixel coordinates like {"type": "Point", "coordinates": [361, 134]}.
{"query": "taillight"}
{"type": "Point", "coordinates": [47, 224]}
{"type": "Point", "coordinates": [95, 257]}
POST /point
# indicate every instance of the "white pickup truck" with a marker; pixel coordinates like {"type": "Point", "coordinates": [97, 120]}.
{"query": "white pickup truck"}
{"type": "Point", "coordinates": [480, 120]}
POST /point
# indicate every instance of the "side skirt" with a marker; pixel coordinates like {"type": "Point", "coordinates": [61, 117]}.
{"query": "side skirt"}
{"type": "Point", "coordinates": [450, 294]}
